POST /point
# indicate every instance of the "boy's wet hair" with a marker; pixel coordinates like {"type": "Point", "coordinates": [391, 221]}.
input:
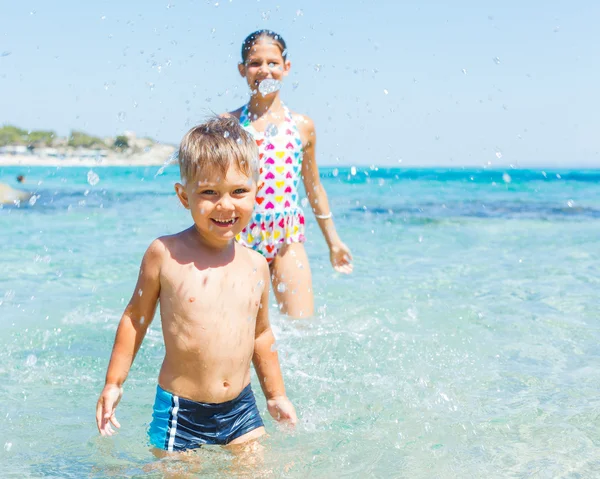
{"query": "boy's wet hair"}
{"type": "Point", "coordinates": [214, 146]}
{"type": "Point", "coordinates": [256, 36]}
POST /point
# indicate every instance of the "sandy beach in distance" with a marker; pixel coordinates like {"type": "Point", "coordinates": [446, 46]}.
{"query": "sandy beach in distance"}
{"type": "Point", "coordinates": [158, 155]}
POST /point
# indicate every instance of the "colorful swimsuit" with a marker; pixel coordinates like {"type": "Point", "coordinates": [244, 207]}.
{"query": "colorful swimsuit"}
{"type": "Point", "coordinates": [278, 218]}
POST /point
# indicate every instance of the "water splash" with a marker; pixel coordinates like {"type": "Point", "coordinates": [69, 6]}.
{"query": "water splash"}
{"type": "Point", "coordinates": [173, 159]}
{"type": "Point", "coordinates": [92, 178]}
{"type": "Point", "coordinates": [269, 86]}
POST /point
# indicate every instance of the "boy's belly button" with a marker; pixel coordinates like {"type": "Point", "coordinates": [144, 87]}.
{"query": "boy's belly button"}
{"type": "Point", "coordinates": [226, 384]}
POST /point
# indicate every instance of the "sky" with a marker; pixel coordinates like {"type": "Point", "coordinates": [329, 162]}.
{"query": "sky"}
{"type": "Point", "coordinates": [387, 82]}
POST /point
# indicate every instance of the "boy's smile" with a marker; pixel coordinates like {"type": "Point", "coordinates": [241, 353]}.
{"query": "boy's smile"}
{"type": "Point", "coordinates": [224, 223]}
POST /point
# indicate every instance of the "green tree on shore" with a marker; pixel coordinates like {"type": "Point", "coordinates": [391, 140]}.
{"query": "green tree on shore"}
{"type": "Point", "coordinates": [83, 140]}
{"type": "Point", "coordinates": [13, 135]}
{"type": "Point", "coordinates": [121, 142]}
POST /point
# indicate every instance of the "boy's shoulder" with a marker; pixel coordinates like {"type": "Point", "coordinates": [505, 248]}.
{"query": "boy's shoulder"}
{"type": "Point", "coordinates": [164, 244]}
{"type": "Point", "coordinates": [255, 258]}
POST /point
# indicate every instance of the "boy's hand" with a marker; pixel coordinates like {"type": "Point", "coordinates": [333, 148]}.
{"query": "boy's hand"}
{"type": "Point", "coordinates": [341, 259]}
{"type": "Point", "coordinates": [105, 409]}
{"type": "Point", "coordinates": [282, 410]}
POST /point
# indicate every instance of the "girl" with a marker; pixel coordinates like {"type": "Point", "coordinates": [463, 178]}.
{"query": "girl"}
{"type": "Point", "coordinates": [286, 142]}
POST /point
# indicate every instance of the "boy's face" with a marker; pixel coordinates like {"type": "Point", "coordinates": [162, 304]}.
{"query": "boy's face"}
{"type": "Point", "coordinates": [220, 207]}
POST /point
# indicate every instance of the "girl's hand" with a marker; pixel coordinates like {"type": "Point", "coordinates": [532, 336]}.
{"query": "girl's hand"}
{"type": "Point", "coordinates": [341, 258]}
{"type": "Point", "coordinates": [282, 410]}
{"type": "Point", "coordinates": [105, 409]}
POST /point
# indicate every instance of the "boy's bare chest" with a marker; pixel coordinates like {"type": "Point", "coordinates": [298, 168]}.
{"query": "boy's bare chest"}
{"type": "Point", "coordinates": [211, 290]}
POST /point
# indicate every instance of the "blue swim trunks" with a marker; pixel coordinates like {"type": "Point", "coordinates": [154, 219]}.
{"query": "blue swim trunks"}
{"type": "Point", "coordinates": [179, 424]}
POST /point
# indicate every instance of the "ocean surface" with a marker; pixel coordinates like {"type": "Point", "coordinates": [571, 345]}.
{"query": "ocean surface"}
{"type": "Point", "coordinates": [466, 344]}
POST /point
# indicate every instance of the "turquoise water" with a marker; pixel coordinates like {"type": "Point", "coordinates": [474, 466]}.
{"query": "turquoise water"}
{"type": "Point", "coordinates": [465, 344]}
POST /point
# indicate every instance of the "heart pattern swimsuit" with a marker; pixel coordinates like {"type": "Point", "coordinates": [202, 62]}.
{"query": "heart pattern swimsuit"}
{"type": "Point", "coordinates": [278, 218]}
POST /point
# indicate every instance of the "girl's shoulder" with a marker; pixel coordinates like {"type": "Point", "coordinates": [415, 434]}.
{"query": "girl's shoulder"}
{"type": "Point", "coordinates": [304, 123]}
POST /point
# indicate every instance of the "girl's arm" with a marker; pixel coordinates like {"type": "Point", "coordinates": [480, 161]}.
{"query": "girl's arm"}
{"type": "Point", "coordinates": [131, 331]}
{"type": "Point", "coordinates": [266, 361]}
{"type": "Point", "coordinates": [339, 252]}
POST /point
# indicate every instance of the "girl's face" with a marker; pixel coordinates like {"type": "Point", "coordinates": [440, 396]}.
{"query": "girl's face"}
{"type": "Point", "coordinates": [264, 61]}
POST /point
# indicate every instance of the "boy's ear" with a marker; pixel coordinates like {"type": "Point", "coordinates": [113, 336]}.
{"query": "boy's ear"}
{"type": "Point", "coordinates": [242, 69]}
{"type": "Point", "coordinates": [182, 195]}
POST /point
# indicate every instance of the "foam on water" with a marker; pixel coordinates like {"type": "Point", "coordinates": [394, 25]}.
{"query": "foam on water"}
{"type": "Point", "coordinates": [465, 344]}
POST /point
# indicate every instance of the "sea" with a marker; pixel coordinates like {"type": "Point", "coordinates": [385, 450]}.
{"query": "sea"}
{"type": "Point", "coordinates": [465, 344]}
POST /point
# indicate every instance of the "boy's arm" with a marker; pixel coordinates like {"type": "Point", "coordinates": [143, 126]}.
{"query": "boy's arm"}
{"type": "Point", "coordinates": [131, 331]}
{"type": "Point", "coordinates": [266, 362]}
{"type": "Point", "coordinates": [341, 258]}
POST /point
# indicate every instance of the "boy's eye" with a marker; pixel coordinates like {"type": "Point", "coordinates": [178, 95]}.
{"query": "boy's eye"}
{"type": "Point", "coordinates": [240, 191]}
{"type": "Point", "coordinates": [208, 192]}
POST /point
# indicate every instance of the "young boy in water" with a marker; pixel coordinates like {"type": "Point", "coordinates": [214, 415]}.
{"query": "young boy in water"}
{"type": "Point", "coordinates": [213, 297]}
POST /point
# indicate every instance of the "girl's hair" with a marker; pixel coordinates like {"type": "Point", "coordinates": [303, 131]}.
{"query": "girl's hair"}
{"type": "Point", "coordinates": [257, 35]}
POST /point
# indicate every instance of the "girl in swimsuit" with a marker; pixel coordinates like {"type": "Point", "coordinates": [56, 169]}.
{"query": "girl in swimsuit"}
{"type": "Point", "coordinates": [286, 142]}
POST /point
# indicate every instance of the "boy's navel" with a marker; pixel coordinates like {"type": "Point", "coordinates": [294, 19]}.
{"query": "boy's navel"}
{"type": "Point", "coordinates": [192, 299]}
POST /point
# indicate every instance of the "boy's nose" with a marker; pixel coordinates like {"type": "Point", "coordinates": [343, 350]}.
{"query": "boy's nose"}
{"type": "Point", "coordinates": [225, 203]}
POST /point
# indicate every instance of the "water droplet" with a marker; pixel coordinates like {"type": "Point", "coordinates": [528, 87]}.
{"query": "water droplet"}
{"type": "Point", "coordinates": [556, 29]}
{"type": "Point", "coordinates": [274, 347]}
{"type": "Point", "coordinates": [103, 17]}
{"type": "Point", "coordinates": [142, 320]}
{"type": "Point", "coordinates": [226, 134]}
{"type": "Point", "coordinates": [269, 86]}
{"type": "Point", "coordinates": [281, 288]}
{"type": "Point", "coordinates": [92, 178]}
{"type": "Point", "coordinates": [32, 200]}
{"type": "Point", "coordinates": [271, 130]}
{"type": "Point", "coordinates": [570, 203]}
{"type": "Point", "coordinates": [335, 172]}
{"type": "Point", "coordinates": [318, 67]}
{"type": "Point", "coordinates": [7, 446]}
{"type": "Point", "coordinates": [31, 360]}
{"type": "Point", "coordinates": [4, 54]}
{"type": "Point", "coordinates": [299, 13]}
{"type": "Point", "coordinates": [464, 70]}
{"type": "Point", "coordinates": [385, 91]}
{"type": "Point", "coordinates": [122, 116]}
{"type": "Point", "coordinates": [353, 171]}
{"type": "Point", "coordinates": [498, 154]}
{"type": "Point", "coordinates": [496, 60]}
{"type": "Point", "coordinates": [506, 177]}
{"type": "Point", "coordinates": [304, 202]}
{"type": "Point", "coordinates": [140, 292]}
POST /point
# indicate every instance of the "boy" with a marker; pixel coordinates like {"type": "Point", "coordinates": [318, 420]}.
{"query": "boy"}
{"type": "Point", "coordinates": [213, 297]}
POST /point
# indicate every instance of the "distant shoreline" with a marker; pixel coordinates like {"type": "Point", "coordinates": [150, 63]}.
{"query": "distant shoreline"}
{"type": "Point", "coordinates": [160, 158]}
{"type": "Point", "coordinates": [156, 157]}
